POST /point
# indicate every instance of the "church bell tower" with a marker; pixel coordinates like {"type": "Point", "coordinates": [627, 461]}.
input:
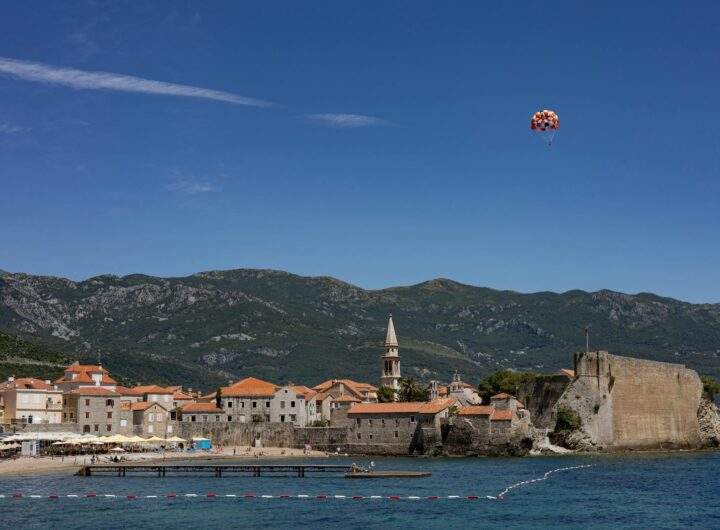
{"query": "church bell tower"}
{"type": "Point", "coordinates": [390, 359]}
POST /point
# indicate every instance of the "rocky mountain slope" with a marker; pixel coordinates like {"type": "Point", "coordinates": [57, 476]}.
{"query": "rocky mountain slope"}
{"type": "Point", "coordinates": [213, 326]}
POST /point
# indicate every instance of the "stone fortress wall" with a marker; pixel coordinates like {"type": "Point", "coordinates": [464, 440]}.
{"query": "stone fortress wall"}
{"type": "Point", "coordinates": [628, 403]}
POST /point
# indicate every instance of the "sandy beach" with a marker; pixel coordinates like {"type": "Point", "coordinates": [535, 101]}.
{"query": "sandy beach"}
{"type": "Point", "coordinates": [70, 464]}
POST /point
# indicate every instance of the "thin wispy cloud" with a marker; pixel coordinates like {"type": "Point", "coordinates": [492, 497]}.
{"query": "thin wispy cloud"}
{"type": "Point", "coordinates": [9, 128]}
{"type": "Point", "coordinates": [348, 120]}
{"type": "Point", "coordinates": [87, 80]}
{"type": "Point", "coordinates": [192, 187]}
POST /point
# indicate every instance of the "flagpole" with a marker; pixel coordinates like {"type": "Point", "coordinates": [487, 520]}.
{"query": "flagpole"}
{"type": "Point", "coordinates": [587, 339]}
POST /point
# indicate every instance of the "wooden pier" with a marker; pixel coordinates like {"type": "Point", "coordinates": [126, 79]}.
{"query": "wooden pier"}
{"type": "Point", "coordinates": [216, 470]}
{"type": "Point", "coordinates": [221, 470]}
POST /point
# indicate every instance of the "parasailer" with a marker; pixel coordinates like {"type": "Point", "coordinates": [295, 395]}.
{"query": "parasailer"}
{"type": "Point", "coordinates": [546, 123]}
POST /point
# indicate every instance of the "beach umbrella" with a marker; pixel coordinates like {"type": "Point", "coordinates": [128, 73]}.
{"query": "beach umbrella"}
{"type": "Point", "coordinates": [155, 440]}
{"type": "Point", "coordinates": [118, 450]}
{"type": "Point", "coordinates": [136, 439]}
{"type": "Point", "coordinates": [59, 443]}
{"type": "Point", "coordinates": [176, 439]}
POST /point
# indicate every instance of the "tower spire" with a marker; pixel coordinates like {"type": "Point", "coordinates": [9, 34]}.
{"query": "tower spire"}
{"type": "Point", "coordinates": [390, 338]}
{"type": "Point", "coordinates": [390, 361]}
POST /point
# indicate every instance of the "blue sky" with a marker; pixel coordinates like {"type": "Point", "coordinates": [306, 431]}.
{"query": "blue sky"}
{"type": "Point", "coordinates": [383, 143]}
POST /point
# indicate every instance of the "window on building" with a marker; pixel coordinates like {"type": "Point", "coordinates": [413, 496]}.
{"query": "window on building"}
{"type": "Point", "coordinates": [229, 418]}
{"type": "Point", "coordinates": [97, 427]}
{"type": "Point", "coordinates": [150, 429]}
{"type": "Point", "coordinates": [412, 419]}
{"type": "Point", "coordinates": [109, 402]}
{"type": "Point", "coordinates": [87, 415]}
{"type": "Point", "coordinates": [397, 434]}
{"type": "Point", "coordinates": [229, 403]}
{"type": "Point", "coordinates": [382, 421]}
{"type": "Point", "coordinates": [64, 401]}
{"type": "Point", "coordinates": [282, 404]}
{"type": "Point", "coordinates": [292, 404]}
{"type": "Point", "coordinates": [151, 417]}
{"type": "Point", "coordinates": [370, 422]}
{"type": "Point", "coordinates": [217, 418]}
{"type": "Point", "coordinates": [72, 415]}
{"type": "Point", "coordinates": [192, 418]}
{"type": "Point", "coordinates": [397, 422]}
{"type": "Point", "coordinates": [205, 418]}
{"type": "Point", "coordinates": [242, 404]}
{"type": "Point", "coordinates": [282, 418]}
{"type": "Point", "coordinates": [358, 421]}
{"type": "Point", "coordinates": [370, 436]}
{"type": "Point", "coordinates": [87, 402]}
{"type": "Point", "coordinates": [86, 428]}
{"type": "Point", "coordinates": [109, 414]}
{"type": "Point", "coordinates": [359, 436]}
{"type": "Point", "coordinates": [64, 415]}
{"type": "Point", "coordinates": [254, 404]}
{"type": "Point", "coordinates": [267, 417]}
{"type": "Point", "coordinates": [169, 429]}
{"type": "Point", "coordinates": [293, 418]}
{"type": "Point", "coordinates": [108, 428]}
{"type": "Point", "coordinates": [267, 404]}
{"type": "Point", "coordinates": [123, 423]}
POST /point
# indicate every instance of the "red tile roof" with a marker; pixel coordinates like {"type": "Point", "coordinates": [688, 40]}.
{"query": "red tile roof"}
{"type": "Point", "coordinates": [93, 391]}
{"type": "Point", "coordinates": [480, 410]}
{"type": "Point", "coordinates": [152, 389]}
{"type": "Point", "coordinates": [85, 368]}
{"type": "Point", "coordinates": [179, 396]}
{"type": "Point", "coordinates": [502, 415]}
{"type": "Point", "coordinates": [26, 383]}
{"type": "Point", "coordinates": [503, 395]}
{"type": "Point", "coordinates": [519, 405]}
{"type": "Point", "coordinates": [144, 405]}
{"type": "Point", "coordinates": [347, 399]}
{"type": "Point", "coordinates": [201, 407]}
{"type": "Point", "coordinates": [359, 389]}
{"type": "Point", "coordinates": [432, 407]}
{"type": "Point", "coordinates": [250, 386]}
{"type": "Point", "coordinates": [568, 372]}
{"type": "Point", "coordinates": [128, 391]}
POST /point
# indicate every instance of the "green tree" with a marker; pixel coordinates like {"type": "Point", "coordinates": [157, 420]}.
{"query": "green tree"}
{"type": "Point", "coordinates": [567, 420]}
{"type": "Point", "coordinates": [218, 398]}
{"type": "Point", "coordinates": [710, 387]}
{"type": "Point", "coordinates": [410, 390]}
{"type": "Point", "coordinates": [508, 381]}
{"type": "Point", "coordinates": [385, 394]}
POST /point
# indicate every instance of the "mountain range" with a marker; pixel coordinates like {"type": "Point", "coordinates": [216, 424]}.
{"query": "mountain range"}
{"type": "Point", "coordinates": [211, 327]}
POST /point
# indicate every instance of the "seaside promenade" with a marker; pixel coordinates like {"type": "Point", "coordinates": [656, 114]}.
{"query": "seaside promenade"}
{"type": "Point", "coordinates": [70, 464]}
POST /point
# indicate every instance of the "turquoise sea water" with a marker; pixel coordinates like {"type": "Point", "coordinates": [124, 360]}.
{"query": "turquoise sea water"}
{"type": "Point", "coordinates": [630, 491]}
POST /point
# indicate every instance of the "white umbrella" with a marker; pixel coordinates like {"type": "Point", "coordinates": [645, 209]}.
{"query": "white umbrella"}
{"type": "Point", "coordinates": [118, 449]}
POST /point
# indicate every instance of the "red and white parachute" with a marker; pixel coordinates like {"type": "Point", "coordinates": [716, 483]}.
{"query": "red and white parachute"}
{"type": "Point", "coordinates": [546, 123]}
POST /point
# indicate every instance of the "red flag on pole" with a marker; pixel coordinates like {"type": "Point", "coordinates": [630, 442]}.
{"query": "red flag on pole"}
{"type": "Point", "coordinates": [586, 330]}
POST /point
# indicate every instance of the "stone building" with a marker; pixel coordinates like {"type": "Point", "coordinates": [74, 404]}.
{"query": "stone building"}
{"type": "Point", "coordinates": [347, 387]}
{"type": "Point", "coordinates": [289, 405]}
{"type": "Point", "coordinates": [466, 394]}
{"type": "Point", "coordinates": [488, 428]}
{"type": "Point", "coordinates": [151, 419]}
{"type": "Point", "coordinates": [390, 374]}
{"type": "Point", "coordinates": [95, 409]}
{"type": "Point", "coordinates": [202, 413]}
{"type": "Point", "coordinates": [83, 375]}
{"type": "Point", "coordinates": [156, 394]}
{"type": "Point", "coordinates": [248, 400]}
{"type": "Point", "coordinates": [30, 400]}
{"type": "Point", "coordinates": [395, 428]}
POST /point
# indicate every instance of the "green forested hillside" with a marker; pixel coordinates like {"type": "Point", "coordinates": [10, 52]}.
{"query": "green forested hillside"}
{"type": "Point", "coordinates": [204, 329]}
{"type": "Point", "coordinates": [21, 358]}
